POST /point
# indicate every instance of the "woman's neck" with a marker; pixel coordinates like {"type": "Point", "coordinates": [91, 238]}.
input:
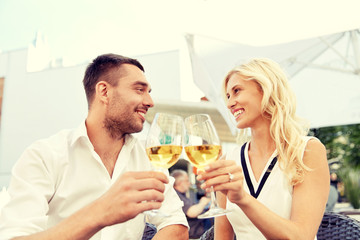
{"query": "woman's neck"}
{"type": "Point", "coordinates": [261, 142]}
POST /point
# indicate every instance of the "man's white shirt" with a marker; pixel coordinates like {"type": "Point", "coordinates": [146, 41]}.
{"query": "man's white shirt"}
{"type": "Point", "coordinates": [59, 175]}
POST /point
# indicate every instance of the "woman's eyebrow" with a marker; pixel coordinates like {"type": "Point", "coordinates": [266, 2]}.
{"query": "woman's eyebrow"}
{"type": "Point", "coordinates": [235, 86]}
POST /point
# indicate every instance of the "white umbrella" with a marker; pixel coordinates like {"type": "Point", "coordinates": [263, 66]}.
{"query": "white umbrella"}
{"type": "Point", "coordinates": [323, 71]}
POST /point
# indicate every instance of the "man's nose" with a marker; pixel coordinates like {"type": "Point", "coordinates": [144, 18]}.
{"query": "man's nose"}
{"type": "Point", "coordinates": [148, 101]}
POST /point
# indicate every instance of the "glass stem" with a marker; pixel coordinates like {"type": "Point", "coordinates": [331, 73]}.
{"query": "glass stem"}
{"type": "Point", "coordinates": [213, 199]}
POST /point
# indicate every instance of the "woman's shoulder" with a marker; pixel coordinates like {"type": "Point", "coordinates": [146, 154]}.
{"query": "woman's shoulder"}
{"type": "Point", "coordinates": [314, 149]}
{"type": "Point", "coordinates": [313, 143]}
{"type": "Point", "coordinates": [308, 138]}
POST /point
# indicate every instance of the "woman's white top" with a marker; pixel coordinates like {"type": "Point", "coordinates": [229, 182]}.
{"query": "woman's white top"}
{"type": "Point", "coordinates": [276, 195]}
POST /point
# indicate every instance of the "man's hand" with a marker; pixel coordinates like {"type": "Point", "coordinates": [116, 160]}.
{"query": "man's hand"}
{"type": "Point", "coordinates": [131, 194]}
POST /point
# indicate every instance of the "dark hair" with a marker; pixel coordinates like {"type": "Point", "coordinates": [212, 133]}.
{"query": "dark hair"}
{"type": "Point", "coordinates": [100, 67]}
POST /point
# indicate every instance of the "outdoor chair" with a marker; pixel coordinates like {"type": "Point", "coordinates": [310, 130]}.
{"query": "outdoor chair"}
{"type": "Point", "coordinates": [149, 232]}
{"type": "Point", "coordinates": [337, 226]}
{"type": "Point", "coordinates": [333, 226]}
{"type": "Point", "coordinates": [208, 235]}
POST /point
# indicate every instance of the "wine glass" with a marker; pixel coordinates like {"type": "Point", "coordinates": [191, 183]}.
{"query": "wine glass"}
{"type": "Point", "coordinates": [164, 144]}
{"type": "Point", "coordinates": [202, 146]}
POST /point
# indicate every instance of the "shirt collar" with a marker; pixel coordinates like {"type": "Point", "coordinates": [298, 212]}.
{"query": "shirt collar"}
{"type": "Point", "coordinates": [81, 133]}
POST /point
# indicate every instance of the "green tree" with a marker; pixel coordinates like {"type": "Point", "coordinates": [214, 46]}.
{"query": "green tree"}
{"type": "Point", "coordinates": [343, 146]}
{"type": "Point", "coordinates": [341, 142]}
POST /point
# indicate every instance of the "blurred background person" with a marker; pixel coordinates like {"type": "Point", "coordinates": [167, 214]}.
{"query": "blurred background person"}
{"type": "Point", "coordinates": [334, 193]}
{"type": "Point", "coordinates": [191, 209]}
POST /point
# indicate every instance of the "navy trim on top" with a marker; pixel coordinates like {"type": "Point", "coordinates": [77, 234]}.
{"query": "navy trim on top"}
{"type": "Point", "coordinates": [247, 176]}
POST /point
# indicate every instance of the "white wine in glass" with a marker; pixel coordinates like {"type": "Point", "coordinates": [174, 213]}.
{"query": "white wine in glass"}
{"type": "Point", "coordinates": [202, 146]}
{"type": "Point", "coordinates": [164, 144]}
{"type": "Point", "coordinates": [164, 156]}
{"type": "Point", "coordinates": [202, 155]}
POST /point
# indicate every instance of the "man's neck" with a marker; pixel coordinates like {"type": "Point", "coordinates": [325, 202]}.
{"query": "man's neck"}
{"type": "Point", "coordinates": [107, 147]}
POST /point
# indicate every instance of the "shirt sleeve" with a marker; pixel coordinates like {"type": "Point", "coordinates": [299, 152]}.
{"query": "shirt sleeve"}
{"type": "Point", "coordinates": [31, 188]}
{"type": "Point", "coordinates": [172, 205]}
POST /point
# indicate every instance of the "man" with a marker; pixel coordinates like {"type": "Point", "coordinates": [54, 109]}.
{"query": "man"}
{"type": "Point", "coordinates": [192, 210]}
{"type": "Point", "coordinates": [95, 181]}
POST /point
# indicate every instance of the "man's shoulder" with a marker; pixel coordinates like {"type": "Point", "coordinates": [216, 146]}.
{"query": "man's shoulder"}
{"type": "Point", "coordinates": [49, 153]}
{"type": "Point", "coordinates": [56, 141]}
{"type": "Point", "coordinates": [61, 135]}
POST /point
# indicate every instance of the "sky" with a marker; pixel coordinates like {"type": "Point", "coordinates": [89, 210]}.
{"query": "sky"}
{"type": "Point", "coordinates": [78, 31]}
{"type": "Point", "coordinates": [83, 28]}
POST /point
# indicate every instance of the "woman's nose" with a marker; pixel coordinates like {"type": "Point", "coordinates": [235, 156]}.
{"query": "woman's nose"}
{"type": "Point", "coordinates": [230, 103]}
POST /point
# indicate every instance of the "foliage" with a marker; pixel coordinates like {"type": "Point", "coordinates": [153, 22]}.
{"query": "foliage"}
{"type": "Point", "coordinates": [351, 179]}
{"type": "Point", "coordinates": [342, 143]}
{"type": "Point", "coordinates": [343, 148]}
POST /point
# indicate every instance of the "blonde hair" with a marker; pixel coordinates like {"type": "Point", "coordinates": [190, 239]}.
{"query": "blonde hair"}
{"type": "Point", "coordinates": [279, 105]}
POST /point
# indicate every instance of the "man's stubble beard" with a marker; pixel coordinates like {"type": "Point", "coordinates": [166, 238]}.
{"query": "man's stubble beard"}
{"type": "Point", "coordinates": [119, 121]}
{"type": "Point", "coordinates": [119, 126]}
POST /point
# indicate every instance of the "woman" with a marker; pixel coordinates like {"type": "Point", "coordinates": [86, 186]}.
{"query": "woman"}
{"type": "Point", "coordinates": [277, 183]}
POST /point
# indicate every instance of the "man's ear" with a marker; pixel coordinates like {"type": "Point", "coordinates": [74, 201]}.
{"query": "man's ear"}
{"type": "Point", "coordinates": [102, 91]}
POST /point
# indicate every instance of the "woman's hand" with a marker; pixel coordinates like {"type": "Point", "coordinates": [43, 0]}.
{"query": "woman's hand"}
{"type": "Point", "coordinates": [224, 176]}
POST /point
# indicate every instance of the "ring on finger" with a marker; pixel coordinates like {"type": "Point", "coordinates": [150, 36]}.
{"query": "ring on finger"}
{"type": "Point", "coordinates": [231, 176]}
